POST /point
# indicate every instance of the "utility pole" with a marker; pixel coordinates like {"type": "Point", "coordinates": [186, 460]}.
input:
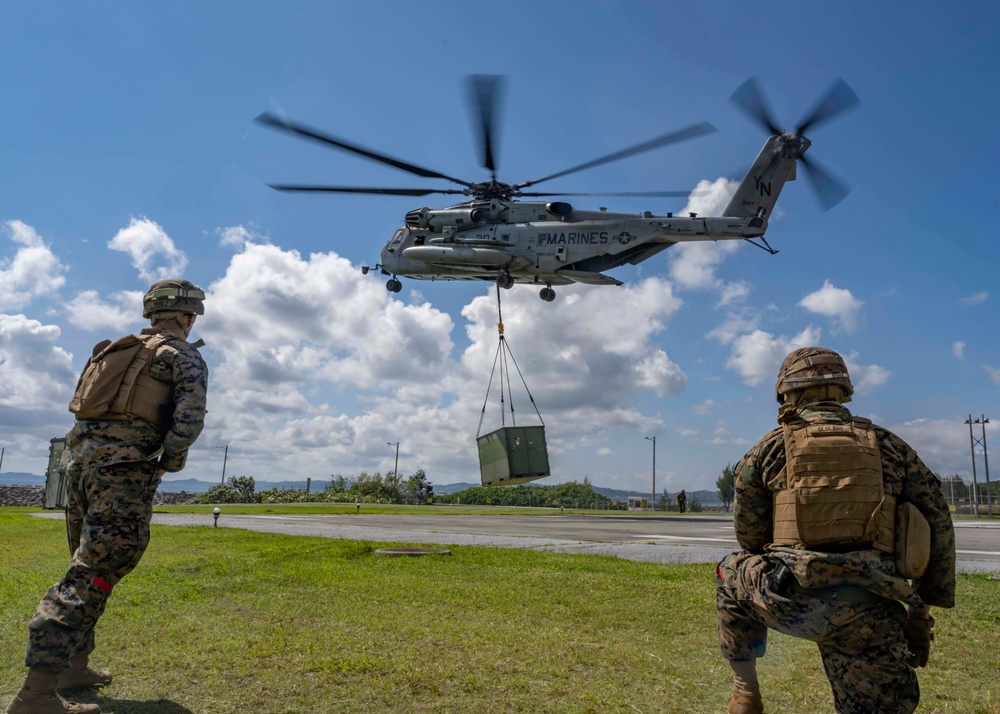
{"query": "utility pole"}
{"type": "Point", "coordinates": [986, 459]}
{"type": "Point", "coordinates": [395, 469]}
{"type": "Point", "coordinates": [986, 463]}
{"type": "Point", "coordinates": [974, 504]}
{"type": "Point", "coordinates": [653, 439]}
{"type": "Point", "coordinates": [225, 457]}
{"type": "Point", "coordinates": [1, 457]}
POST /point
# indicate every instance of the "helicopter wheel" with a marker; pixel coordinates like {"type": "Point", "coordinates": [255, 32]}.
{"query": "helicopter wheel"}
{"type": "Point", "coordinates": [505, 281]}
{"type": "Point", "coordinates": [393, 285]}
{"type": "Point", "coordinates": [547, 294]}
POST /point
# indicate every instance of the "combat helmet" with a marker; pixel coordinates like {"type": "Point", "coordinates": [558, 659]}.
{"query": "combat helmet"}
{"type": "Point", "coordinates": [812, 367]}
{"type": "Point", "coordinates": [173, 296]}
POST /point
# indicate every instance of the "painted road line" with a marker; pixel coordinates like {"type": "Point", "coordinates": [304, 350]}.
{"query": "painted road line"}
{"type": "Point", "coordinates": [671, 537]}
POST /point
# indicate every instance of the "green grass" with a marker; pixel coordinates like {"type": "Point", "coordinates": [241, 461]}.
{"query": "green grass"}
{"type": "Point", "coordinates": [225, 620]}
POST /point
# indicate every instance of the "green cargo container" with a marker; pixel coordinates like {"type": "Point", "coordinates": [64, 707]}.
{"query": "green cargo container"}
{"type": "Point", "coordinates": [55, 476]}
{"type": "Point", "coordinates": [512, 455]}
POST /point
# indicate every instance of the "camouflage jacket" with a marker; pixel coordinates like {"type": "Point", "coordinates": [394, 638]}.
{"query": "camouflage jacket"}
{"type": "Point", "coordinates": [761, 472]}
{"type": "Point", "coordinates": [103, 443]}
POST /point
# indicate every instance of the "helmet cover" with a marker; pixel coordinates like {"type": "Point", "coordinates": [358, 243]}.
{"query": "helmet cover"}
{"type": "Point", "coordinates": [812, 367]}
{"type": "Point", "coordinates": [177, 296]}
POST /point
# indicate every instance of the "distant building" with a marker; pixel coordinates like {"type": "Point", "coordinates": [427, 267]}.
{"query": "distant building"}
{"type": "Point", "coordinates": [636, 503]}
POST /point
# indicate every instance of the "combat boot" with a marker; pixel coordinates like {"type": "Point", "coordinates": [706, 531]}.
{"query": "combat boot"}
{"type": "Point", "coordinates": [81, 676]}
{"type": "Point", "coordinates": [745, 701]}
{"type": "Point", "coordinates": [38, 696]}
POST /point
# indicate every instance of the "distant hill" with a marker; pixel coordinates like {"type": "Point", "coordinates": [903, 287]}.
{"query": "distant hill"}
{"type": "Point", "coordinates": [446, 488]}
{"type": "Point", "coordinates": [192, 485]}
{"type": "Point", "coordinates": [17, 478]}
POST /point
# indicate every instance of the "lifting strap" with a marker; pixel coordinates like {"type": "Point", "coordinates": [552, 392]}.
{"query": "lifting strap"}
{"type": "Point", "coordinates": [502, 354]}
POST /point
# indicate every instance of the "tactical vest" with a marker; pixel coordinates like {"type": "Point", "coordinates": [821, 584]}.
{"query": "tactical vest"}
{"type": "Point", "coordinates": [833, 499]}
{"type": "Point", "coordinates": [116, 383]}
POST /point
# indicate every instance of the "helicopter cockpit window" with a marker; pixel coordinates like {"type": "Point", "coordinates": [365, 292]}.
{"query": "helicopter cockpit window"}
{"type": "Point", "coordinates": [397, 238]}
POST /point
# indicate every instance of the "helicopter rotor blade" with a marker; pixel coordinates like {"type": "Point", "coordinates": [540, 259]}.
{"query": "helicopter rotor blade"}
{"type": "Point", "coordinates": [829, 190]}
{"type": "Point", "coordinates": [485, 94]}
{"type": "Point", "coordinates": [362, 189]}
{"type": "Point", "coordinates": [839, 98]}
{"type": "Point", "coordinates": [635, 194]}
{"type": "Point", "coordinates": [296, 129]}
{"type": "Point", "coordinates": [691, 132]}
{"type": "Point", "coordinates": [751, 99]}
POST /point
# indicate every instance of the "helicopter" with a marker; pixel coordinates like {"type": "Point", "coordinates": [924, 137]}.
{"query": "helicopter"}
{"type": "Point", "coordinates": [493, 235]}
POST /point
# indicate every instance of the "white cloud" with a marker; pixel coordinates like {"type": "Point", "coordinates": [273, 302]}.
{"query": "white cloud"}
{"type": "Point", "coordinates": [942, 444]}
{"type": "Point", "coordinates": [32, 272]}
{"type": "Point", "coordinates": [693, 264]}
{"type": "Point", "coordinates": [304, 342]}
{"type": "Point", "coordinates": [238, 236]}
{"type": "Point", "coordinates": [869, 377]}
{"type": "Point", "coordinates": [977, 299]}
{"type": "Point", "coordinates": [993, 372]}
{"type": "Point", "coordinates": [605, 451]}
{"type": "Point", "coordinates": [703, 408]}
{"type": "Point", "coordinates": [710, 198]}
{"type": "Point", "coordinates": [152, 251]}
{"type": "Point", "coordinates": [736, 323]}
{"type": "Point", "coordinates": [732, 292]}
{"type": "Point", "coordinates": [122, 311]}
{"type": "Point", "coordinates": [836, 303]}
{"type": "Point", "coordinates": [757, 356]}
{"type": "Point", "coordinates": [35, 374]}
{"type": "Point", "coordinates": [958, 349]}
{"type": "Point", "coordinates": [721, 436]}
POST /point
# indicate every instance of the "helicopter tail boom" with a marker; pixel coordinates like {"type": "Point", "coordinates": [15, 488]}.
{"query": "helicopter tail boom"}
{"type": "Point", "coordinates": [759, 190]}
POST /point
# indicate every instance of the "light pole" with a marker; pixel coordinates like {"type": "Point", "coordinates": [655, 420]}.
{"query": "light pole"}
{"type": "Point", "coordinates": [653, 439]}
{"type": "Point", "coordinates": [225, 456]}
{"type": "Point", "coordinates": [395, 469]}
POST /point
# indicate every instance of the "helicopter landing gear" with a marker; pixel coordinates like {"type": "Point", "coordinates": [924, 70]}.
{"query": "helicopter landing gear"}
{"type": "Point", "coordinates": [393, 285]}
{"type": "Point", "coordinates": [547, 294]}
{"type": "Point", "coordinates": [505, 281]}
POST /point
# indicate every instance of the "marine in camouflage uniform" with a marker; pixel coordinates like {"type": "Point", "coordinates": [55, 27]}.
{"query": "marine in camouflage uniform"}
{"type": "Point", "coordinates": [849, 603]}
{"type": "Point", "coordinates": [114, 469]}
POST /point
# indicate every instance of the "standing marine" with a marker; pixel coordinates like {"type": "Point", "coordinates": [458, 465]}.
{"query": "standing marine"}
{"type": "Point", "coordinates": [840, 524]}
{"type": "Point", "coordinates": [139, 406]}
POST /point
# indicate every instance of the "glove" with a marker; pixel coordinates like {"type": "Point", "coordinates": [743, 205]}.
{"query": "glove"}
{"type": "Point", "coordinates": [919, 633]}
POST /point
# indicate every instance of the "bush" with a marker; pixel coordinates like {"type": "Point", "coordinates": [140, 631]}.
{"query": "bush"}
{"type": "Point", "coordinates": [239, 489]}
{"type": "Point", "coordinates": [221, 494]}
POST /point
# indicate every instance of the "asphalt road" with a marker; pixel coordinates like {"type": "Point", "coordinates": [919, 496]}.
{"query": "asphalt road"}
{"type": "Point", "coordinates": [667, 539]}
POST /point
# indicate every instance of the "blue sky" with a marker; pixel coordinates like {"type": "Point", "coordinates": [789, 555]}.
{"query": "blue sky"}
{"type": "Point", "coordinates": [129, 153]}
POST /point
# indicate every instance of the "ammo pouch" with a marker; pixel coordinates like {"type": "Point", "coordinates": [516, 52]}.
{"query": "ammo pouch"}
{"type": "Point", "coordinates": [833, 500]}
{"type": "Point", "coordinates": [913, 541]}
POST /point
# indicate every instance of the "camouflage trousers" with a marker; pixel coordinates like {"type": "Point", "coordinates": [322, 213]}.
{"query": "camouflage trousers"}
{"type": "Point", "coordinates": [861, 643]}
{"type": "Point", "coordinates": [108, 512]}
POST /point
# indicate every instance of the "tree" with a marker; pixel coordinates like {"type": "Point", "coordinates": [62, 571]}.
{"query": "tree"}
{"type": "Point", "coordinates": [244, 487]}
{"type": "Point", "coordinates": [418, 488]}
{"type": "Point", "coordinates": [665, 500]}
{"type": "Point", "coordinates": [726, 486]}
{"type": "Point", "coordinates": [238, 489]}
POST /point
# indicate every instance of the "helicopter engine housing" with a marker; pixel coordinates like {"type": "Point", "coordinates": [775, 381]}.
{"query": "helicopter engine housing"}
{"type": "Point", "coordinates": [461, 218]}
